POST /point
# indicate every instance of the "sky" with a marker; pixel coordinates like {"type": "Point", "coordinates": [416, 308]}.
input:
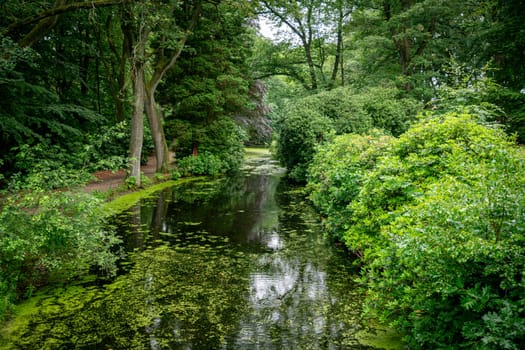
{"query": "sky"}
{"type": "Point", "coordinates": [266, 28]}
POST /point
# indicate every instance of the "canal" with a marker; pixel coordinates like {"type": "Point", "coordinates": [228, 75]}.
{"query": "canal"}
{"type": "Point", "coordinates": [232, 263]}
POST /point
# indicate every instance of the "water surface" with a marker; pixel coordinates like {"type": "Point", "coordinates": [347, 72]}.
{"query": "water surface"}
{"type": "Point", "coordinates": [236, 263]}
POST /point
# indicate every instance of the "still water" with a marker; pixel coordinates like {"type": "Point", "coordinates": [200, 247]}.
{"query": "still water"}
{"type": "Point", "coordinates": [236, 263]}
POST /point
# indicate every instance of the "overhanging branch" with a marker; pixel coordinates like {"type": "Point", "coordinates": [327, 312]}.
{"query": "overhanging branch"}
{"type": "Point", "coordinates": [55, 11]}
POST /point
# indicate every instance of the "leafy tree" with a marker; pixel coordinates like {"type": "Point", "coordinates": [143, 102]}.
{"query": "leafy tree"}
{"type": "Point", "coordinates": [407, 42]}
{"type": "Point", "coordinates": [512, 103]}
{"type": "Point", "coordinates": [341, 110]}
{"type": "Point", "coordinates": [210, 84]}
{"type": "Point", "coordinates": [494, 30]}
{"type": "Point", "coordinates": [166, 55]}
{"type": "Point", "coordinates": [310, 30]}
{"type": "Point", "coordinates": [67, 86]}
{"type": "Point", "coordinates": [31, 113]}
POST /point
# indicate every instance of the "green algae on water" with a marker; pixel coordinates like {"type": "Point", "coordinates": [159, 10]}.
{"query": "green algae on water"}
{"type": "Point", "coordinates": [123, 203]}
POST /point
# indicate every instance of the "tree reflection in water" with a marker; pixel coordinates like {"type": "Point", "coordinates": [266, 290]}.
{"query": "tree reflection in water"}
{"type": "Point", "coordinates": [239, 263]}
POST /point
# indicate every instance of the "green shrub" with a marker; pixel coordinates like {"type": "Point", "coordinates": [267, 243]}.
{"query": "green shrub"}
{"type": "Point", "coordinates": [375, 107]}
{"type": "Point", "coordinates": [435, 147]}
{"type": "Point", "coordinates": [300, 133]}
{"type": "Point", "coordinates": [308, 121]}
{"type": "Point", "coordinates": [337, 172]}
{"type": "Point", "coordinates": [221, 138]}
{"type": "Point", "coordinates": [203, 164]}
{"type": "Point", "coordinates": [225, 140]}
{"type": "Point", "coordinates": [439, 217]}
{"type": "Point", "coordinates": [452, 274]}
{"type": "Point", "coordinates": [50, 235]}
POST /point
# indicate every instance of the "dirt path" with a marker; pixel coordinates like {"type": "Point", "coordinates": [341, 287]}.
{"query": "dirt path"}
{"type": "Point", "coordinates": [107, 180]}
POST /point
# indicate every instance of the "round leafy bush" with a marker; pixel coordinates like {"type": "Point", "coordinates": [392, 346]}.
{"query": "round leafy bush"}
{"type": "Point", "coordinates": [301, 132]}
{"type": "Point", "coordinates": [438, 216]}
{"type": "Point", "coordinates": [310, 120]}
{"type": "Point", "coordinates": [203, 164]}
{"type": "Point", "coordinates": [435, 147]}
{"type": "Point", "coordinates": [221, 139]}
{"type": "Point", "coordinates": [337, 172]}
{"type": "Point", "coordinates": [452, 274]}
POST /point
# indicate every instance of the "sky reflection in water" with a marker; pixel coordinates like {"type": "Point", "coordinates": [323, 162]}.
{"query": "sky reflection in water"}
{"type": "Point", "coordinates": [236, 264]}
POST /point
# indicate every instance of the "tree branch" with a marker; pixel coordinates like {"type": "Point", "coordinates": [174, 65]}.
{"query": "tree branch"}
{"type": "Point", "coordinates": [55, 11]}
{"type": "Point", "coordinates": [161, 70]}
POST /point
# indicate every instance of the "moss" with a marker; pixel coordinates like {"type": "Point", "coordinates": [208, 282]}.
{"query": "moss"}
{"type": "Point", "coordinates": [23, 314]}
{"type": "Point", "coordinates": [256, 152]}
{"type": "Point", "coordinates": [126, 201]}
{"type": "Point", "coordinates": [380, 338]}
{"type": "Point", "coordinates": [48, 302]}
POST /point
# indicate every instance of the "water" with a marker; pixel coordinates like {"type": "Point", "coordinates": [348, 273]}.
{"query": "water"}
{"type": "Point", "coordinates": [237, 263]}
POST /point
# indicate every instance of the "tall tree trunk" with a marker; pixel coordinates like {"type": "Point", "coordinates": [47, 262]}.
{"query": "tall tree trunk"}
{"type": "Point", "coordinates": [157, 131]}
{"type": "Point", "coordinates": [307, 43]}
{"type": "Point", "coordinates": [137, 119]}
{"type": "Point", "coordinates": [154, 118]}
{"type": "Point", "coordinates": [136, 34]}
{"type": "Point", "coordinates": [339, 46]}
{"type": "Point", "coordinates": [311, 65]}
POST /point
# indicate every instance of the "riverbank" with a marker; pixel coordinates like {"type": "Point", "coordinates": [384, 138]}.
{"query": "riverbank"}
{"type": "Point", "coordinates": [112, 185]}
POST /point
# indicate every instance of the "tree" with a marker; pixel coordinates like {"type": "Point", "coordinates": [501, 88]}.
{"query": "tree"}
{"type": "Point", "coordinates": [409, 41]}
{"type": "Point", "coordinates": [44, 21]}
{"type": "Point", "coordinates": [136, 32]}
{"type": "Point", "coordinates": [494, 29]}
{"type": "Point", "coordinates": [61, 90]}
{"type": "Point", "coordinates": [165, 56]}
{"type": "Point", "coordinates": [211, 80]}
{"type": "Point", "coordinates": [312, 26]}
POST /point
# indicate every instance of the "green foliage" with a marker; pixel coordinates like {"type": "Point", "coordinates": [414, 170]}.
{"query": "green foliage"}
{"type": "Point", "coordinates": [31, 113]}
{"type": "Point", "coordinates": [438, 216]}
{"type": "Point", "coordinates": [202, 164]}
{"type": "Point", "coordinates": [222, 142]}
{"type": "Point", "coordinates": [433, 148]}
{"type": "Point", "coordinates": [211, 78]}
{"type": "Point", "coordinates": [108, 148]}
{"type": "Point", "coordinates": [50, 235]}
{"type": "Point", "coordinates": [225, 139]}
{"type": "Point", "coordinates": [406, 42]}
{"type": "Point", "coordinates": [375, 107]}
{"type": "Point", "coordinates": [337, 173]}
{"type": "Point", "coordinates": [513, 105]}
{"type": "Point", "coordinates": [45, 167]}
{"type": "Point", "coordinates": [303, 129]}
{"type": "Point", "coordinates": [39, 126]}
{"type": "Point", "coordinates": [207, 87]}
{"type": "Point", "coordinates": [452, 272]}
{"type": "Point", "coordinates": [467, 90]}
{"type": "Point", "coordinates": [498, 39]}
{"type": "Point", "coordinates": [308, 121]}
